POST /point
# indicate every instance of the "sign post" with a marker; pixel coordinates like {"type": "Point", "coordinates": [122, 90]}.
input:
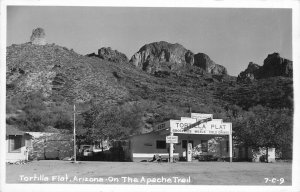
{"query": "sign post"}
{"type": "Point", "coordinates": [171, 149]}
{"type": "Point", "coordinates": [171, 139]}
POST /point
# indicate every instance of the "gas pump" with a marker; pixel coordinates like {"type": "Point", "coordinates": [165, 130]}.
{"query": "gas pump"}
{"type": "Point", "coordinates": [189, 152]}
{"type": "Point", "coordinates": [190, 145]}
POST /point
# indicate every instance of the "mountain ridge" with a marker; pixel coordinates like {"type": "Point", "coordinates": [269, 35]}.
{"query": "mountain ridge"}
{"type": "Point", "coordinates": [60, 77]}
{"type": "Point", "coordinates": [274, 65]}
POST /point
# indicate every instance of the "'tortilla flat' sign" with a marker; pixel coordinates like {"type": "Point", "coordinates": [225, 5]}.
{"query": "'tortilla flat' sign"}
{"type": "Point", "coordinates": [213, 127]}
{"type": "Point", "coordinates": [209, 128]}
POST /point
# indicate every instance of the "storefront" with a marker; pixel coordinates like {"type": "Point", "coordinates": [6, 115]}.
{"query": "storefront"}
{"type": "Point", "coordinates": [18, 144]}
{"type": "Point", "coordinates": [196, 137]}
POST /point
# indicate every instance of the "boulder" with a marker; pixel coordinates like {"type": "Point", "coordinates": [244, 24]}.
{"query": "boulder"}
{"type": "Point", "coordinates": [38, 36]}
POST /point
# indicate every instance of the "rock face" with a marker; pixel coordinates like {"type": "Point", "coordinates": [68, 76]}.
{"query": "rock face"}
{"type": "Point", "coordinates": [250, 73]}
{"type": "Point", "coordinates": [108, 54]}
{"type": "Point", "coordinates": [203, 61]}
{"type": "Point", "coordinates": [38, 36]}
{"type": "Point", "coordinates": [163, 56]}
{"type": "Point", "coordinates": [274, 65]}
{"type": "Point", "coordinates": [154, 57]}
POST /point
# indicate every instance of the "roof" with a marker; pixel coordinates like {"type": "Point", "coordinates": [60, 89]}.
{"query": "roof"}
{"type": "Point", "coordinates": [148, 133]}
{"type": "Point", "coordinates": [12, 130]}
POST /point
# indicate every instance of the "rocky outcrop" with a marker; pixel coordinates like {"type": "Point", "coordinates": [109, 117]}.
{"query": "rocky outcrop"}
{"type": "Point", "coordinates": [159, 52]}
{"type": "Point", "coordinates": [250, 73]}
{"type": "Point", "coordinates": [163, 56]}
{"type": "Point", "coordinates": [112, 55]}
{"type": "Point", "coordinates": [274, 66]}
{"type": "Point", "coordinates": [203, 61]}
{"type": "Point", "coordinates": [108, 54]}
{"type": "Point", "coordinates": [38, 36]}
{"type": "Point", "coordinates": [151, 55]}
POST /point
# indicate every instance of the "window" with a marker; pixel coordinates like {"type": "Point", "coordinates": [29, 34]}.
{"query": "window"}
{"type": "Point", "coordinates": [204, 145]}
{"type": "Point", "coordinates": [184, 144]}
{"type": "Point", "coordinates": [161, 144]}
{"type": "Point", "coordinates": [15, 143]}
{"type": "Point", "coordinates": [227, 146]}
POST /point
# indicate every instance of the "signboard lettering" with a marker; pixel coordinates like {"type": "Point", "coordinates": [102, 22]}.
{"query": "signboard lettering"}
{"type": "Point", "coordinates": [162, 126]}
{"type": "Point", "coordinates": [212, 127]}
{"type": "Point", "coordinates": [171, 139]}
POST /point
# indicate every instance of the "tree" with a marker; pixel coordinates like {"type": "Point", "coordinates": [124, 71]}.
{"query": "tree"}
{"type": "Point", "coordinates": [34, 114]}
{"type": "Point", "coordinates": [265, 127]}
{"type": "Point", "coordinates": [112, 123]}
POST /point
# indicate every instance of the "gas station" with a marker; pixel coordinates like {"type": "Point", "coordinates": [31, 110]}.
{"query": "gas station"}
{"type": "Point", "coordinates": [186, 139]}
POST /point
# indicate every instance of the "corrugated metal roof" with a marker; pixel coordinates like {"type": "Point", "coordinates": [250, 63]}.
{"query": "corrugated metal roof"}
{"type": "Point", "coordinates": [12, 130]}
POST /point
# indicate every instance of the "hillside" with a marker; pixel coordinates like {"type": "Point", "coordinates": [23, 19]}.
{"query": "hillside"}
{"type": "Point", "coordinates": [44, 81]}
{"type": "Point", "coordinates": [56, 71]}
{"type": "Point", "coordinates": [64, 77]}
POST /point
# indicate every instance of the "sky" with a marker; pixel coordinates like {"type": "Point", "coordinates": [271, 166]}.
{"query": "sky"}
{"type": "Point", "coordinates": [231, 37]}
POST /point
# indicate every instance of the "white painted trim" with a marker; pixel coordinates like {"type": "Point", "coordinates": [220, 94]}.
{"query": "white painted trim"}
{"type": "Point", "coordinates": [150, 155]}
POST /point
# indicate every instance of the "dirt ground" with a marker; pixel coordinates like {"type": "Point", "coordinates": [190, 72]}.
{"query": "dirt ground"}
{"type": "Point", "coordinates": [199, 173]}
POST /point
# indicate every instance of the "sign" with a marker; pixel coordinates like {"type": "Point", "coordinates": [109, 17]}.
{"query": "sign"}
{"type": "Point", "coordinates": [171, 139]}
{"type": "Point", "coordinates": [207, 128]}
{"type": "Point", "coordinates": [201, 115]}
{"type": "Point", "coordinates": [162, 126]}
{"type": "Point", "coordinates": [197, 123]}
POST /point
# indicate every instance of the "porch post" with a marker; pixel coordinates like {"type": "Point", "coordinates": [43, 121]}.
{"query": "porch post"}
{"type": "Point", "coordinates": [230, 145]}
{"type": "Point", "coordinates": [171, 149]}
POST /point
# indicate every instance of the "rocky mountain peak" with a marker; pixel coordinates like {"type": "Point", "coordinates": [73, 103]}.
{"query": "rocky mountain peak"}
{"type": "Point", "coordinates": [164, 56]}
{"type": "Point", "coordinates": [159, 52]}
{"type": "Point", "coordinates": [250, 73]}
{"type": "Point", "coordinates": [109, 54]}
{"type": "Point", "coordinates": [38, 36]}
{"type": "Point", "coordinates": [203, 61]}
{"type": "Point", "coordinates": [253, 67]}
{"type": "Point", "coordinates": [274, 65]}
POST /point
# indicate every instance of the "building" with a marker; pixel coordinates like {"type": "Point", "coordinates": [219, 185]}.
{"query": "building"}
{"type": "Point", "coordinates": [207, 140]}
{"type": "Point", "coordinates": [18, 144]}
{"type": "Point", "coordinates": [49, 146]}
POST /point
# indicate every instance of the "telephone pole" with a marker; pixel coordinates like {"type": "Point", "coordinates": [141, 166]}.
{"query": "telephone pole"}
{"type": "Point", "coordinates": [74, 133]}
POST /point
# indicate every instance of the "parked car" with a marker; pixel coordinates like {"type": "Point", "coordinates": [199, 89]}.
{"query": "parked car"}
{"type": "Point", "coordinates": [86, 150]}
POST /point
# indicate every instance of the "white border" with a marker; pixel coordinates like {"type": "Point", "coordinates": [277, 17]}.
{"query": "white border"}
{"type": "Point", "coordinates": [294, 4]}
